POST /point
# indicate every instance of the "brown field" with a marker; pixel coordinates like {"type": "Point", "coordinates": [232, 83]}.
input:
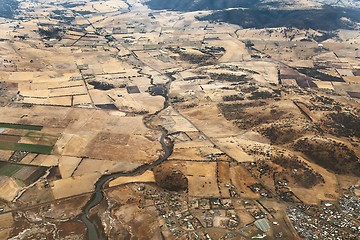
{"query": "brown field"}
{"type": "Point", "coordinates": [84, 71]}
{"type": "Point", "coordinates": [241, 179]}
{"type": "Point", "coordinates": [9, 188]}
{"type": "Point", "coordinates": [202, 176]}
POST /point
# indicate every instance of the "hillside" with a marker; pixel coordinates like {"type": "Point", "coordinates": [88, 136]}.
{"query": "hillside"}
{"type": "Point", "coordinates": [328, 18]}
{"type": "Point", "coordinates": [8, 8]}
{"type": "Point", "coordinates": [191, 5]}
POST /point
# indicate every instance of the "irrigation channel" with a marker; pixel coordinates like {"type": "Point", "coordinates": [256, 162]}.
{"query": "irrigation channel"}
{"type": "Point", "coordinates": [98, 195]}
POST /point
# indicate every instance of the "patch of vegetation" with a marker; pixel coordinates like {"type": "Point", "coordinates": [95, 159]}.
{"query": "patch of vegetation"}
{"type": "Point", "coordinates": [236, 110]}
{"type": "Point", "coordinates": [170, 179]}
{"type": "Point", "coordinates": [330, 154]}
{"type": "Point", "coordinates": [101, 85]}
{"type": "Point", "coordinates": [249, 89]}
{"type": "Point", "coordinates": [280, 134]}
{"type": "Point", "coordinates": [27, 177]}
{"type": "Point", "coordinates": [62, 15]}
{"type": "Point", "coordinates": [202, 59]}
{"type": "Point", "coordinates": [324, 100]}
{"type": "Point", "coordinates": [192, 105]}
{"type": "Point", "coordinates": [254, 119]}
{"type": "Point", "coordinates": [8, 169]}
{"type": "Point", "coordinates": [25, 147]}
{"type": "Point", "coordinates": [303, 176]}
{"type": "Point", "coordinates": [262, 95]}
{"type": "Point", "coordinates": [72, 5]}
{"type": "Point", "coordinates": [315, 73]}
{"type": "Point", "coordinates": [107, 106]}
{"type": "Point", "coordinates": [21, 126]}
{"type": "Point", "coordinates": [191, 5]}
{"type": "Point", "coordinates": [344, 124]}
{"type": "Point", "coordinates": [328, 18]}
{"type": "Point", "coordinates": [158, 90]}
{"type": "Point", "coordinates": [213, 51]}
{"type": "Point", "coordinates": [324, 36]}
{"type": "Point", "coordinates": [85, 12]}
{"type": "Point", "coordinates": [33, 148]}
{"type": "Point", "coordinates": [195, 59]}
{"type": "Point", "coordinates": [249, 44]}
{"type": "Point", "coordinates": [51, 33]}
{"type": "Point", "coordinates": [235, 97]}
{"type": "Point", "coordinates": [195, 78]}
{"type": "Point", "coordinates": [176, 99]}
{"type": "Point", "coordinates": [230, 77]}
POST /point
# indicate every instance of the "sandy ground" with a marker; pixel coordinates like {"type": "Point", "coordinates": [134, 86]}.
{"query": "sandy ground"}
{"type": "Point", "coordinates": [147, 176]}
{"type": "Point", "coordinates": [103, 166]}
{"type": "Point", "coordinates": [9, 188]}
{"type": "Point", "coordinates": [6, 222]}
{"type": "Point", "coordinates": [74, 185]}
{"type": "Point", "coordinates": [67, 165]}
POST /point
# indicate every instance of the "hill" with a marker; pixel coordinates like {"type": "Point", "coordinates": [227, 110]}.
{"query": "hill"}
{"type": "Point", "coordinates": [8, 8]}
{"type": "Point", "coordinates": [327, 18]}
{"type": "Point", "coordinates": [191, 5]}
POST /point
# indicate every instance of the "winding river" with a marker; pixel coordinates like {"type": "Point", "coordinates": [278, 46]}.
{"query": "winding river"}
{"type": "Point", "coordinates": [98, 194]}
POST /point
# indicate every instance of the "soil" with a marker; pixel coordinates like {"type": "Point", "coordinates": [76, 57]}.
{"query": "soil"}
{"type": "Point", "coordinates": [74, 227]}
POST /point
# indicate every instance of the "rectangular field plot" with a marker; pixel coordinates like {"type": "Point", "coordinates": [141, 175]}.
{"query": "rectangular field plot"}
{"type": "Point", "coordinates": [21, 126]}
{"type": "Point", "coordinates": [25, 147]}
{"type": "Point", "coordinates": [28, 141]}
{"type": "Point", "coordinates": [26, 174]}
{"type": "Point", "coordinates": [33, 148]}
{"type": "Point", "coordinates": [7, 169]}
{"type": "Point", "coordinates": [38, 138]}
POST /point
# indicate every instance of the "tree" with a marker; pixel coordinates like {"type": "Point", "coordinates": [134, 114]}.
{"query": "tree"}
{"type": "Point", "coordinates": [249, 44]}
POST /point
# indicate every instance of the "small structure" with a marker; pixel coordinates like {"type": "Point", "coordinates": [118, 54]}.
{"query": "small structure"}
{"type": "Point", "coordinates": [259, 236]}
{"type": "Point", "coordinates": [263, 225]}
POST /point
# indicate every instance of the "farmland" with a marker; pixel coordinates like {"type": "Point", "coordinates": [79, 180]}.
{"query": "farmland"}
{"type": "Point", "coordinates": [126, 119]}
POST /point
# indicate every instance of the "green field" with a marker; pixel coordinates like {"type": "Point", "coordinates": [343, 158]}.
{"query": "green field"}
{"type": "Point", "coordinates": [23, 174]}
{"type": "Point", "coordinates": [33, 148]}
{"type": "Point", "coordinates": [163, 59]}
{"type": "Point", "coordinates": [20, 183]}
{"type": "Point", "coordinates": [151, 47]}
{"type": "Point", "coordinates": [21, 126]}
{"type": "Point", "coordinates": [26, 147]}
{"type": "Point", "coordinates": [7, 145]}
{"type": "Point", "coordinates": [7, 169]}
{"type": "Point", "coordinates": [42, 138]}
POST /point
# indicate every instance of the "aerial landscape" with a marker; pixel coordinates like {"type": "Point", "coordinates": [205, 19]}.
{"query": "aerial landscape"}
{"type": "Point", "coordinates": [179, 119]}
